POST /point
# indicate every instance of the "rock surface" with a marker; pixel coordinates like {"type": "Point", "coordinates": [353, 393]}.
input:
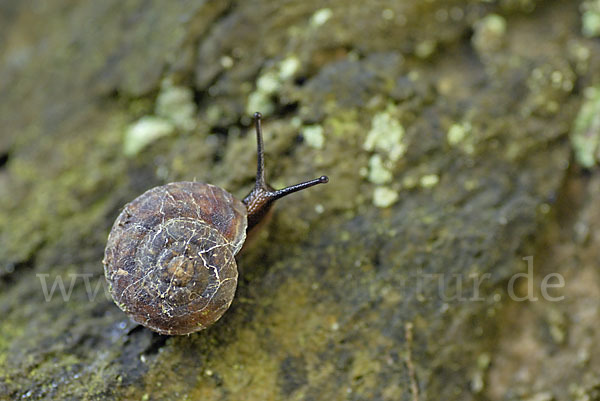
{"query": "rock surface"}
{"type": "Point", "coordinates": [444, 127]}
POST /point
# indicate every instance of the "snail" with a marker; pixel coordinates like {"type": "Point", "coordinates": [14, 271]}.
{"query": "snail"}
{"type": "Point", "coordinates": [170, 255]}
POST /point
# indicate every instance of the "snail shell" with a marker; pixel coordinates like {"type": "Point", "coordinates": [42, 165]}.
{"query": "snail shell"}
{"type": "Point", "coordinates": [170, 257]}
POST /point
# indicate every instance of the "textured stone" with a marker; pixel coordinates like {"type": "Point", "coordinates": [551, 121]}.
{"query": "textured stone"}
{"type": "Point", "coordinates": [327, 290]}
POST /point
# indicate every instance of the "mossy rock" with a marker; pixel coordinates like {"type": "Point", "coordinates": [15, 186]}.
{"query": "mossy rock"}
{"type": "Point", "coordinates": [443, 126]}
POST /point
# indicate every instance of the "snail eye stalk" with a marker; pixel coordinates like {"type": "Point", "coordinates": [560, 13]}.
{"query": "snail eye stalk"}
{"type": "Point", "coordinates": [262, 196]}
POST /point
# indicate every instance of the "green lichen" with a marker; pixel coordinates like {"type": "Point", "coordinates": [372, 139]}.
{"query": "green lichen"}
{"type": "Point", "coordinates": [425, 48]}
{"type": "Point", "coordinates": [386, 136]}
{"type": "Point", "coordinates": [378, 173]}
{"type": "Point", "coordinates": [429, 180]}
{"type": "Point", "coordinates": [313, 135]}
{"type": "Point", "coordinates": [458, 132]}
{"type": "Point", "coordinates": [174, 110]}
{"type": "Point", "coordinates": [585, 137]}
{"type": "Point", "coordinates": [176, 104]}
{"type": "Point", "coordinates": [268, 85]}
{"type": "Point", "coordinates": [590, 18]}
{"type": "Point", "coordinates": [320, 17]}
{"type": "Point", "coordinates": [145, 131]}
{"type": "Point", "coordinates": [288, 68]}
{"type": "Point", "coordinates": [490, 33]}
{"type": "Point", "coordinates": [384, 197]}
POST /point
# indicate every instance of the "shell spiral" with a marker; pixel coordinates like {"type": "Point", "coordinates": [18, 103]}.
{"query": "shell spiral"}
{"type": "Point", "coordinates": [170, 257]}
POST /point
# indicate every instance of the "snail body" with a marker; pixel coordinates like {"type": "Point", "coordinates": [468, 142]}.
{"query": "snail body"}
{"type": "Point", "coordinates": [170, 256]}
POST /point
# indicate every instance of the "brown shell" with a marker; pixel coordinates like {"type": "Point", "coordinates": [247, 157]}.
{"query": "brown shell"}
{"type": "Point", "coordinates": [170, 260]}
